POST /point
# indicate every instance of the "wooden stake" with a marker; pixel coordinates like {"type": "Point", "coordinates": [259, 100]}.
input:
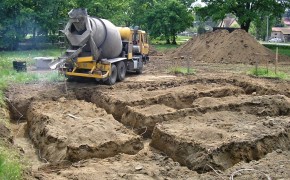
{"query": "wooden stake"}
{"type": "Point", "coordinates": [276, 60]}
{"type": "Point", "coordinates": [188, 68]}
{"type": "Point", "coordinates": [256, 67]}
{"type": "Point", "coordinates": [267, 66]}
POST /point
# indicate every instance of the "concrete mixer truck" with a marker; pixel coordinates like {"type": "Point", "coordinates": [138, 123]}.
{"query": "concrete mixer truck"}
{"type": "Point", "coordinates": [100, 50]}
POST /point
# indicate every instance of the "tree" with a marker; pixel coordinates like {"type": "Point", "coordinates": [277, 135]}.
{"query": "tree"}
{"type": "Point", "coordinates": [13, 24]}
{"type": "Point", "coordinates": [245, 10]}
{"type": "Point", "coordinates": [117, 11]}
{"type": "Point", "coordinates": [167, 18]}
{"type": "Point", "coordinates": [140, 9]}
{"type": "Point", "coordinates": [19, 18]}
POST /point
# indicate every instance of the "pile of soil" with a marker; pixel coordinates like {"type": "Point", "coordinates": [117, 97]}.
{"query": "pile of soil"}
{"type": "Point", "coordinates": [224, 47]}
{"type": "Point", "coordinates": [152, 51]}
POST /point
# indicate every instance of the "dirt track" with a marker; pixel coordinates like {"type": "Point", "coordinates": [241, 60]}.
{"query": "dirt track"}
{"type": "Point", "coordinates": [213, 125]}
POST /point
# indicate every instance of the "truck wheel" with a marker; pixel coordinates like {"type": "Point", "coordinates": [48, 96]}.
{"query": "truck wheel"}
{"type": "Point", "coordinates": [140, 69]}
{"type": "Point", "coordinates": [121, 68]}
{"type": "Point", "coordinates": [113, 77]}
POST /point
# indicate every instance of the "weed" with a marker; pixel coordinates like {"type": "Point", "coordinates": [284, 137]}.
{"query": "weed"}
{"type": "Point", "coordinates": [263, 72]}
{"type": "Point", "coordinates": [165, 47]}
{"type": "Point", "coordinates": [10, 166]}
{"type": "Point", "coordinates": [182, 70]}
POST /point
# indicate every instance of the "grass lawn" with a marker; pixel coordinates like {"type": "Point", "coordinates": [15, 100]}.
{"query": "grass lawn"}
{"type": "Point", "coordinates": [284, 50]}
{"type": "Point", "coordinates": [164, 47]}
{"type": "Point", "coordinates": [9, 75]}
{"type": "Point", "coordinates": [161, 45]}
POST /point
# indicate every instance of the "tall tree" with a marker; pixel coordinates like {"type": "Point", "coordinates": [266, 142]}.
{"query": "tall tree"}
{"type": "Point", "coordinates": [167, 18]}
{"type": "Point", "coordinates": [245, 10]}
{"type": "Point", "coordinates": [13, 24]}
{"type": "Point", "coordinates": [117, 11]}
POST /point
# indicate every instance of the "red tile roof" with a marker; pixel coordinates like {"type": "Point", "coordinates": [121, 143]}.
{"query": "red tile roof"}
{"type": "Point", "coordinates": [284, 30]}
{"type": "Point", "coordinates": [286, 21]}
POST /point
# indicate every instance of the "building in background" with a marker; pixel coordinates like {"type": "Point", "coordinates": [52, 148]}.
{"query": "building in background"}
{"type": "Point", "coordinates": [282, 33]}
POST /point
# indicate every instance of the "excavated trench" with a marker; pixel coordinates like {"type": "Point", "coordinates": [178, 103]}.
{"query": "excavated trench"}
{"type": "Point", "coordinates": [203, 124]}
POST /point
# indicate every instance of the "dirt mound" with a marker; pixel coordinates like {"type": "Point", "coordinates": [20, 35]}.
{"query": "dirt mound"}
{"type": "Point", "coordinates": [224, 47]}
{"type": "Point", "coordinates": [153, 51]}
{"type": "Point", "coordinates": [220, 139]}
{"type": "Point", "coordinates": [74, 130]}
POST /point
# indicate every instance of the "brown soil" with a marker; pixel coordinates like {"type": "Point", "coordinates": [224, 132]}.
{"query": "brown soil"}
{"type": "Point", "coordinates": [75, 130]}
{"type": "Point", "coordinates": [153, 51]}
{"type": "Point", "coordinates": [156, 125]}
{"type": "Point", "coordinates": [5, 133]}
{"type": "Point", "coordinates": [274, 165]}
{"type": "Point", "coordinates": [200, 123]}
{"type": "Point", "coordinates": [220, 139]}
{"type": "Point", "coordinates": [224, 47]}
{"type": "Point", "coordinates": [19, 101]}
{"type": "Point", "coordinates": [147, 164]}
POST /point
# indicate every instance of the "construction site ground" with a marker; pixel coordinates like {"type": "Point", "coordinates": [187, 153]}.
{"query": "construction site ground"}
{"type": "Point", "coordinates": [218, 123]}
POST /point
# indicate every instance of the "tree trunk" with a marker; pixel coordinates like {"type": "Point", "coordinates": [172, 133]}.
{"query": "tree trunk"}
{"type": "Point", "coordinates": [167, 41]}
{"type": "Point", "coordinates": [246, 25]}
{"type": "Point", "coordinates": [34, 37]}
{"type": "Point", "coordinates": [174, 39]}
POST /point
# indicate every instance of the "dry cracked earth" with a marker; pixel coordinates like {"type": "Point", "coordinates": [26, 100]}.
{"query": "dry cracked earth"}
{"type": "Point", "coordinates": [213, 125]}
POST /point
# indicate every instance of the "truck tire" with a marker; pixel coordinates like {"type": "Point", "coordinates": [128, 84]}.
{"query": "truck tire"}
{"type": "Point", "coordinates": [121, 71]}
{"type": "Point", "coordinates": [113, 77]}
{"type": "Point", "coordinates": [140, 69]}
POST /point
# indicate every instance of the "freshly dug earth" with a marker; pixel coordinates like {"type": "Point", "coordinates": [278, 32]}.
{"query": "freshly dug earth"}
{"type": "Point", "coordinates": [74, 130]}
{"type": "Point", "coordinates": [229, 118]}
{"type": "Point", "coordinates": [220, 139]}
{"type": "Point", "coordinates": [144, 118]}
{"type": "Point", "coordinates": [224, 47]}
{"type": "Point", "coordinates": [147, 164]}
{"type": "Point", "coordinates": [153, 51]}
{"type": "Point", "coordinates": [20, 96]}
{"type": "Point", "coordinates": [5, 132]}
{"type": "Point", "coordinates": [274, 165]}
{"type": "Point", "coordinates": [178, 97]}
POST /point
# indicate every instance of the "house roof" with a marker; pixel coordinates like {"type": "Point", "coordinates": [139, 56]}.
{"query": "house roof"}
{"type": "Point", "coordinates": [286, 21]}
{"type": "Point", "coordinates": [284, 30]}
{"type": "Point", "coordinates": [227, 22]}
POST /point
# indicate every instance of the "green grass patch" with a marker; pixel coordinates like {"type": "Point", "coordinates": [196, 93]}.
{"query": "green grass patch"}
{"type": "Point", "coordinates": [282, 49]}
{"type": "Point", "coordinates": [263, 72]}
{"type": "Point", "coordinates": [9, 75]}
{"type": "Point", "coordinates": [6, 57]}
{"type": "Point", "coordinates": [10, 165]}
{"type": "Point", "coordinates": [165, 47]}
{"type": "Point", "coordinates": [182, 39]}
{"type": "Point", "coordinates": [182, 70]}
{"type": "Point", "coordinates": [160, 43]}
